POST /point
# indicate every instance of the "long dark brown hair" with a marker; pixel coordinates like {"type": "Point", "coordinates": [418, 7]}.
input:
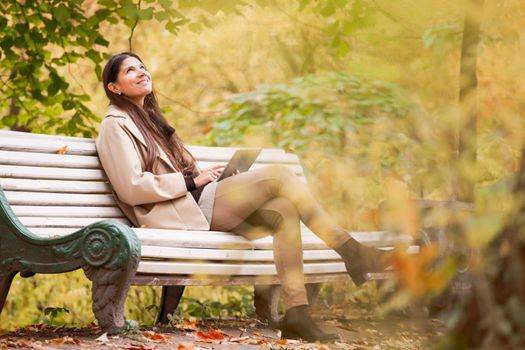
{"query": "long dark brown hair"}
{"type": "Point", "coordinates": [149, 121]}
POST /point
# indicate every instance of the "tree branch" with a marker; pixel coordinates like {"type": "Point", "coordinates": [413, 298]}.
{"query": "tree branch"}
{"type": "Point", "coordinates": [133, 27]}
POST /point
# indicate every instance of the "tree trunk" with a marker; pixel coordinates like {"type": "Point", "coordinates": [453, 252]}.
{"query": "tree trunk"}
{"type": "Point", "coordinates": [467, 99]}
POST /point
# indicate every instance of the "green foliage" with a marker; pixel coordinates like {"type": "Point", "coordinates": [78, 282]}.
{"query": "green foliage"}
{"type": "Point", "coordinates": [344, 19]}
{"type": "Point", "coordinates": [311, 112]}
{"type": "Point", "coordinates": [37, 41]}
{"type": "Point", "coordinates": [70, 293]}
{"type": "Point", "coordinates": [337, 116]}
{"type": "Point", "coordinates": [54, 316]}
{"type": "Point", "coordinates": [40, 40]}
{"type": "Point", "coordinates": [238, 303]}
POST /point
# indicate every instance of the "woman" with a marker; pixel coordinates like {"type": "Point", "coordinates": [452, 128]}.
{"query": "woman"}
{"type": "Point", "coordinates": [158, 185]}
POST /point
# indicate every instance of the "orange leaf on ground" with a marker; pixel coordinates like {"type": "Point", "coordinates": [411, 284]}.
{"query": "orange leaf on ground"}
{"type": "Point", "coordinates": [185, 346]}
{"type": "Point", "coordinates": [156, 337]}
{"type": "Point", "coordinates": [62, 150]}
{"type": "Point", "coordinates": [213, 334]}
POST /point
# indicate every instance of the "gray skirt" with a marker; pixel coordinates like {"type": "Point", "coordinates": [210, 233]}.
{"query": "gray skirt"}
{"type": "Point", "coordinates": [207, 199]}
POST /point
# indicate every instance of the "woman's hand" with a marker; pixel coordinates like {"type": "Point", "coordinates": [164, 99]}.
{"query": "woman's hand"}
{"type": "Point", "coordinates": [208, 175]}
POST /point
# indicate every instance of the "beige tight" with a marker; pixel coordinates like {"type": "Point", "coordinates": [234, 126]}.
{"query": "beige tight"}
{"type": "Point", "coordinates": [274, 200]}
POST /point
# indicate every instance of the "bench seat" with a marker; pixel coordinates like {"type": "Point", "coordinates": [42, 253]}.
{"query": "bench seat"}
{"type": "Point", "coordinates": [54, 188]}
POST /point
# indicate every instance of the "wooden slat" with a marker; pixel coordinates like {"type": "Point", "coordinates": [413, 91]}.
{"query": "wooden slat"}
{"type": "Point", "coordinates": [49, 160]}
{"type": "Point", "coordinates": [185, 280]}
{"type": "Point", "coordinates": [63, 221]}
{"type": "Point", "coordinates": [203, 239]}
{"type": "Point", "coordinates": [28, 172]}
{"type": "Point", "coordinates": [39, 143]}
{"type": "Point", "coordinates": [235, 255]}
{"type": "Point", "coordinates": [66, 199]}
{"type": "Point", "coordinates": [73, 139]}
{"type": "Point", "coordinates": [161, 267]}
{"type": "Point", "coordinates": [68, 211]}
{"type": "Point", "coordinates": [227, 254]}
{"type": "Point", "coordinates": [371, 238]}
{"type": "Point", "coordinates": [211, 239]}
{"type": "Point", "coordinates": [47, 146]}
{"type": "Point", "coordinates": [39, 137]}
{"type": "Point", "coordinates": [56, 186]}
{"type": "Point", "coordinates": [377, 238]}
{"type": "Point", "coordinates": [223, 154]}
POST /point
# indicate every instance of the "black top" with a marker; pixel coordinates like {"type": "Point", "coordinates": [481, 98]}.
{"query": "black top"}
{"type": "Point", "coordinates": [190, 186]}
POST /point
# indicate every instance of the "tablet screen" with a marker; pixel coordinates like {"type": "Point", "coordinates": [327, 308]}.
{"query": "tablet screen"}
{"type": "Point", "coordinates": [242, 160]}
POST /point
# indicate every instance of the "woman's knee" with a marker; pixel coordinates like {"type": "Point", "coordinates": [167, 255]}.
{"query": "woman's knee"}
{"type": "Point", "coordinates": [280, 175]}
{"type": "Point", "coordinates": [282, 206]}
{"type": "Point", "coordinates": [280, 210]}
{"type": "Point", "coordinates": [280, 171]}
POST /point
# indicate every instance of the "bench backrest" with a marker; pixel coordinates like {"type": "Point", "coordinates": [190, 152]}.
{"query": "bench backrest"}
{"type": "Point", "coordinates": [58, 182]}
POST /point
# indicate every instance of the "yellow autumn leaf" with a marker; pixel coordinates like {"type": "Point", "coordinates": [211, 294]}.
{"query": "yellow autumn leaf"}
{"type": "Point", "coordinates": [62, 150]}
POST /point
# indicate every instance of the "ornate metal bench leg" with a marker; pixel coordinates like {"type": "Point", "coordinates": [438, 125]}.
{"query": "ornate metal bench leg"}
{"type": "Point", "coordinates": [312, 291]}
{"type": "Point", "coordinates": [266, 301]}
{"type": "Point", "coordinates": [5, 284]}
{"type": "Point", "coordinates": [169, 301]}
{"type": "Point", "coordinates": [109, 253]}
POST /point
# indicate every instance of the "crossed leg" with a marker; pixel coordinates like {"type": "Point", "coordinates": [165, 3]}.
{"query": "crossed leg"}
{"type": "Point", "coordinates": [273, 197]}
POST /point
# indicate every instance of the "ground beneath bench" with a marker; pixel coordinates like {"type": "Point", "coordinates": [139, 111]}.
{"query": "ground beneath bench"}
{"type": "Point", "coordinates": [358, 329]}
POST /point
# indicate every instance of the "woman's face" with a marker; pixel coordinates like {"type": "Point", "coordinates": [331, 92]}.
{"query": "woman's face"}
{"type": "Point", "coordinates": [133, 80]}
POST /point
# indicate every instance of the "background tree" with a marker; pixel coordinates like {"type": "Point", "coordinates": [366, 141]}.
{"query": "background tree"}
{"type": "Point", "coordinates": [40, 40]}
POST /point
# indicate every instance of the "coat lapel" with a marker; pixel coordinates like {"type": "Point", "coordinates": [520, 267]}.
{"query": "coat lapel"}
{"type": "Point", "coordinates": [134, 130]}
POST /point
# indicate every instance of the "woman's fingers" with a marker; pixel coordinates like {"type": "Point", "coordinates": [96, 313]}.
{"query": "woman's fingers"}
{"type": "Point", "coordinates": [215, 170]}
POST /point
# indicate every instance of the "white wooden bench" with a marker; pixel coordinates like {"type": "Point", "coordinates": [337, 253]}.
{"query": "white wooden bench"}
{"type": "Point", "coordinates": [54, 186]}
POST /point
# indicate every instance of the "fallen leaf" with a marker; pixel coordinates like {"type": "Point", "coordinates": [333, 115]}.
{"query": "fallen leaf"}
{"type": "Point", "coordinates": [239, 339]}
{"type": "Point", "coordinates": [213, 334]}
{"type": "Point", "coordinates": [282, 341]}
{"type": "Point", "coordinates": [62, 150]}
{"type": "Point", "coordinates": [66, 340]}
{"type": "Point", "coordinates": [188, 324]}
{"type": "Point", "coordinates": [156, 337]}
{"type": "Point", "coordinates": [138, 346]}
{"type": "Point", "coordinates": [185, 346]}
{"type": "Point", "coordinates": [103, 338]}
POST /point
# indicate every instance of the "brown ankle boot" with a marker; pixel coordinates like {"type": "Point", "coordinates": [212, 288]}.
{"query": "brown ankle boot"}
{"type": "Point", "coordinates": [360, 260]}
{"type": "Point", "coordinates": [298, 324]}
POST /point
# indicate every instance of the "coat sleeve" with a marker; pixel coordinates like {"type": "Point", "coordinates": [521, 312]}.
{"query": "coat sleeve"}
{"type": "Point", "coordinates": [122, 165]}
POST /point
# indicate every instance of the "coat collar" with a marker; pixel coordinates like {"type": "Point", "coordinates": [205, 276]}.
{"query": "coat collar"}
{"type": "Point", "coordinates": [134, 130]}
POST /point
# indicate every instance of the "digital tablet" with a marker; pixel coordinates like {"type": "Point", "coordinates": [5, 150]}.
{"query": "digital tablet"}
{"type": "Point", "coordinates": [242, 160]}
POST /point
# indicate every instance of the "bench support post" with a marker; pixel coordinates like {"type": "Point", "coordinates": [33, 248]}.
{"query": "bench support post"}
{"type": "Point", "coordinates": [5, 284]}
{"type": "Point", "coordinates": [109, 254]}
{"type": "Point", "coordinates": [266, 302]}
{"type": "Point", "coordinates": [312, 292]}
{"type": "Point", "coordinates": [169, 301]}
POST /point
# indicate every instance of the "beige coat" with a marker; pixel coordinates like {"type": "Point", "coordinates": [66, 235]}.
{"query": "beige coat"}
{"type": "Point", "coordinates": [156, 200]}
